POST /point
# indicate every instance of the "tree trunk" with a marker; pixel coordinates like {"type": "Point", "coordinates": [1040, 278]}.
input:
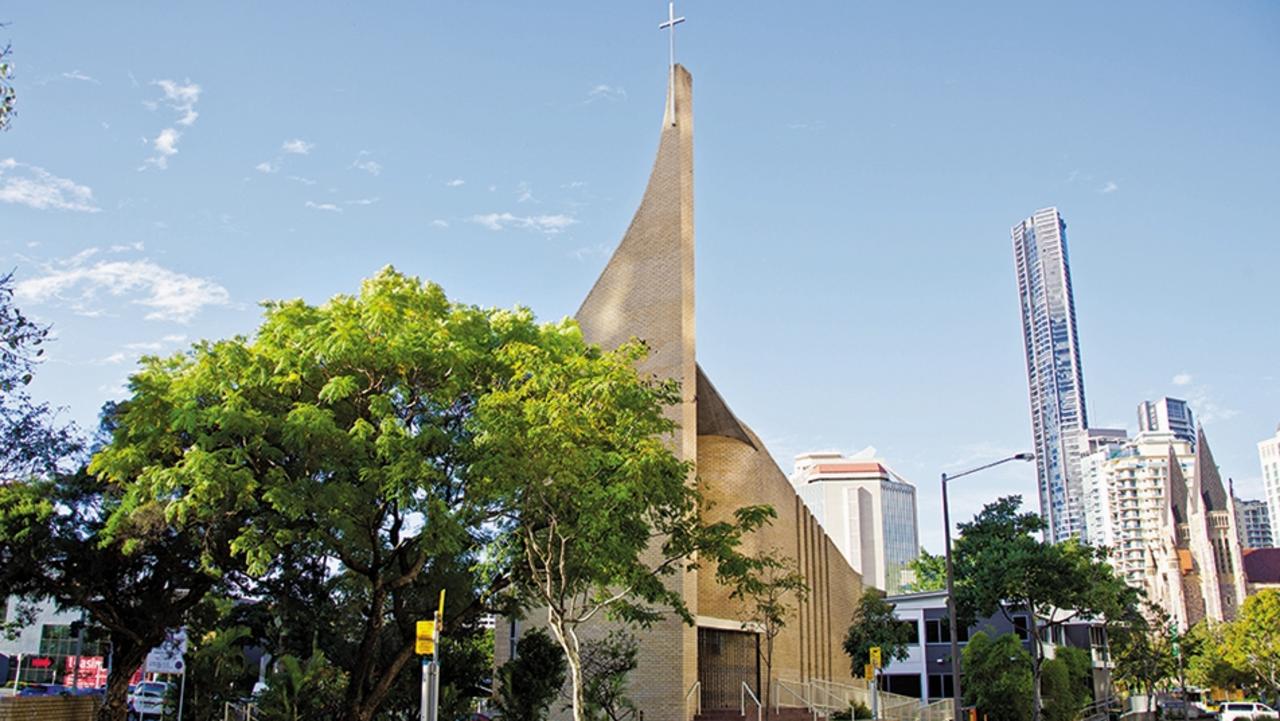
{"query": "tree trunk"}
{"type": "Point", "coordinates": [1036, 653]}
{"type": "Point", "coordinates": [568, 639]}
{"type": "Point", "coordinates": [127, 656]}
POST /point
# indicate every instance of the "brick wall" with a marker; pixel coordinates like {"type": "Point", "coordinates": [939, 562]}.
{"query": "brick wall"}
{"type": "Point", "coordinates": [48, 708]}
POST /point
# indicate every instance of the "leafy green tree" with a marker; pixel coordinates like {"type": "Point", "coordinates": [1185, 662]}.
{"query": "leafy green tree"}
{"type": "Point", "coordinates": [1140, 649]}
{"type": "Point", "coordinates": [310, 690]}
{"type": "Point", "coordinates": [930, 573]}
{"type": "Point", "coordinates": [8, 95]}
{"type": "Point", "coordinates": [597, 511]}
{"type": "Point", "coordinates": [79, 540]}
{"type": "Point", "coordinates": [874, 624]}
{"type": "Point", "coordinates": [1252, 641]}
{"type": "Point", "coordinates": [1066, 684]}
{"type": "Point", "coordinates": [528, 683]}
{"type": "Point", "coordinates": [997, 677]}
{"type": "Point", "coordinates": [1207, 665]}
{"type": "Point", "coordinates": [605, 665]}
{"type": "Point", "coordinates": [770, 592]}
{"type": "Point", "coordinates": [35, 444]}
{"type": "Point", "coordinates": [1001, 564]}
{"type": "Point", "coordinates": [340, 429]}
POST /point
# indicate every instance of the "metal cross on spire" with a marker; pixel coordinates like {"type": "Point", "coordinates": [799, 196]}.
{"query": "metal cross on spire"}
{"type": "Point", "coordinates": [670, 24]}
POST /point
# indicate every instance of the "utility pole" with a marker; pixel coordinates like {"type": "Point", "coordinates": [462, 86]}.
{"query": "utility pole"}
{"type": "Point", "coordinates": [427, 643]}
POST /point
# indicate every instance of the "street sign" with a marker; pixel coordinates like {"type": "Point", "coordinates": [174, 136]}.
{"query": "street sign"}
{"type": "Point", "coordinates": [40, 662]}
{"type": "Point", "coordinates": [167, 657]}
{"type": "Point", "coordinates": [869, 672]}
{"type": "Point", "coordinates": [425, 638]}
{"type": "Point", "coordinates": [875, 656]}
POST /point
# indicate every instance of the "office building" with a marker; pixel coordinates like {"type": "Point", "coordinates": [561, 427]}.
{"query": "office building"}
{"type": "Point", "coordinates": [1055, 379]}
{"type": "Point", "coordinates": [1254, 524]}
{"type": "Point", "coordinates": [866, 509]}
{"type": "Point", "coordinates": [1167, 414]}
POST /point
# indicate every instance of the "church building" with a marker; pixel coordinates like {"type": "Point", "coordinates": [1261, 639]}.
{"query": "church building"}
{"type": "Point", "coordinates": [646, 291]}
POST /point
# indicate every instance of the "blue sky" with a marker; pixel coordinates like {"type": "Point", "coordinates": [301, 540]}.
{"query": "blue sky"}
{"type": "Point", "coordinates": [858, 167]}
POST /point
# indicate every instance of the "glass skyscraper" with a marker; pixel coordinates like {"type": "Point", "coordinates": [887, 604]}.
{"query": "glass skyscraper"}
{"type": "Point", "coordinates": [1054, 377]}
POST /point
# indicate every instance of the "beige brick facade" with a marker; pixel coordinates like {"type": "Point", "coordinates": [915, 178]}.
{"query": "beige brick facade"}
{"type": "Point", "coordinates": [646, 291]}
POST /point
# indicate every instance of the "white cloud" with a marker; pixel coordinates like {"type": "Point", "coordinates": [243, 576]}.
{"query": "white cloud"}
{"type": "Point", "coordinates": [304, 181]}
{"type": "Point", "coordinates": [588, 251]}
{"type": "Point", "coordinates": [267, 167]}
{"type": "Point", "coordinates": [372, 167]}
{"type": "Point", "coordinates": [438, 223]}
{"type": "Point", "coordinates": [165, 145]}
{"type": "Point", "coordinates": [330, 207]}
{"type": "Point", "coordinates": [171, 295]}
{"type": "Point", "coordinates": [126, 247]}
{"type": "Point", "coordinates": [151, 345]}
{"type": "Point", "coordinates": [363, 201]}
{"type": "Point", "coordinates": [456, 183]}
{"type": "Point", "coordinates": [1182, 379]}
{"type": "Point", "coordinates": [1206, 406]}
{"type": "Point", "coordinates": [297, 146]}
{"type": "Point", "coordinates": [182, 98]}
{"type": "Point", "coordinates": [1110, 187]}
{"type": "Point", "coordinates": [37, 188]}
{"type": "Point", "coordinates": [549, 224]}
{"type": "Point", "coordinates": [113, 359]}
{"type": "Point", "coordinates": [77, 75]}
{"type": "Point", "coordinates": [524, 193]}
{"type": "Point", "coordinates": [606, 92]}
{"type": "Point", "coordinates": [174, 338]}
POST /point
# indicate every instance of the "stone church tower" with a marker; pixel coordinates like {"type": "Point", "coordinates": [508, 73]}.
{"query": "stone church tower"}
{"type": "Point", "coordinates": [1197, 572]}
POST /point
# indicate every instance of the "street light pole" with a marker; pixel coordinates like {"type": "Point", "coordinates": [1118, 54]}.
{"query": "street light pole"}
{"type": "Point", "coordinates": [958, 704]}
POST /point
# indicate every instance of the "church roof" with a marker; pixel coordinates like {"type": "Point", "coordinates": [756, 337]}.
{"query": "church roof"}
{"type": "Point", "coordinates": [1177, 488]}
{"type": "Point", "coordinates": [1262, 565]}
{"type": "Point", "coordinates": [1211, 488]}
{"type": "Point", "coordinates": [714, 416]}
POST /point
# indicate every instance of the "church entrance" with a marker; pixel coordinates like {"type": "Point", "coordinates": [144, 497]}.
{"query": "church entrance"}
{"type": "Point", "coordinates": [727, 659]}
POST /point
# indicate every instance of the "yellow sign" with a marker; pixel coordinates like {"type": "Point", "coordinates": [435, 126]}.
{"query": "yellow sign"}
{"type": "Point", "coordinates": [425, 642]}
{"type": "Point", "coordinates": [869, 672]}
{"type": "Point", "coordinates": [875, 656]}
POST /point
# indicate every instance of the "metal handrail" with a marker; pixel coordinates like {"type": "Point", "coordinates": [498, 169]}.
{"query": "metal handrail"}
{"type": "Point", "coordinates": [696, 687]}
{"type": "Point", "coordinates": [781, 685]}
{"type": "Point", "coordinates": [742, 702]}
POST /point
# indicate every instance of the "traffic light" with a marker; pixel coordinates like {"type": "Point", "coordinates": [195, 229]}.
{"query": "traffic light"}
{"type": "Point", "coordinates": [77, 627]}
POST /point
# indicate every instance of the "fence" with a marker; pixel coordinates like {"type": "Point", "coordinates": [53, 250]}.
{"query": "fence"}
{"type": "Point", "coordinates": [826, 697]}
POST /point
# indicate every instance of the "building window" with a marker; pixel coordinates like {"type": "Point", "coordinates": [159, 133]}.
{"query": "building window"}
{"type": "Point", "coordinates": [1020, 624]}
{"type": "Point", "coordinates": [941, 685]}
{"type": "Point", "coordinates": [938, 630]}
{"type": "Point", "coordinates": [912, 633]}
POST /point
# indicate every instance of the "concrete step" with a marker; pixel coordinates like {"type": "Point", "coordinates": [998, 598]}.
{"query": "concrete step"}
{"type": "Point", "coordinates": [783, 714]}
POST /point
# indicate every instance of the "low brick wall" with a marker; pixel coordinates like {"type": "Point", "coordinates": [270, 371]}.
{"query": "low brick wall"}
{"type": "Point", "coordinates": [48, 708]}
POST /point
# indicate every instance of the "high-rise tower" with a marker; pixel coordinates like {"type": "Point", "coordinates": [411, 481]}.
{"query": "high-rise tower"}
{"type": "Point", "coordinates": [1054, 377]}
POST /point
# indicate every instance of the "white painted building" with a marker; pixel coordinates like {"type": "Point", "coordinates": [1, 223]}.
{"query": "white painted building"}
{"type": "Point", "coordinates": [1124, 497]}
{"type": "Point", "coordinates": [868, 511]}
{"type": "Point", "coordinates": [1269, 457]}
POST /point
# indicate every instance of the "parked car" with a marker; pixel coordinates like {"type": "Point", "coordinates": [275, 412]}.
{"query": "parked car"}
{"type": "Point", "coordinates": [43, 689]}
{"type": "Point", "coordinates": [1244, 711]}
{"type": "Point", "coordinates": [147, 700]}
